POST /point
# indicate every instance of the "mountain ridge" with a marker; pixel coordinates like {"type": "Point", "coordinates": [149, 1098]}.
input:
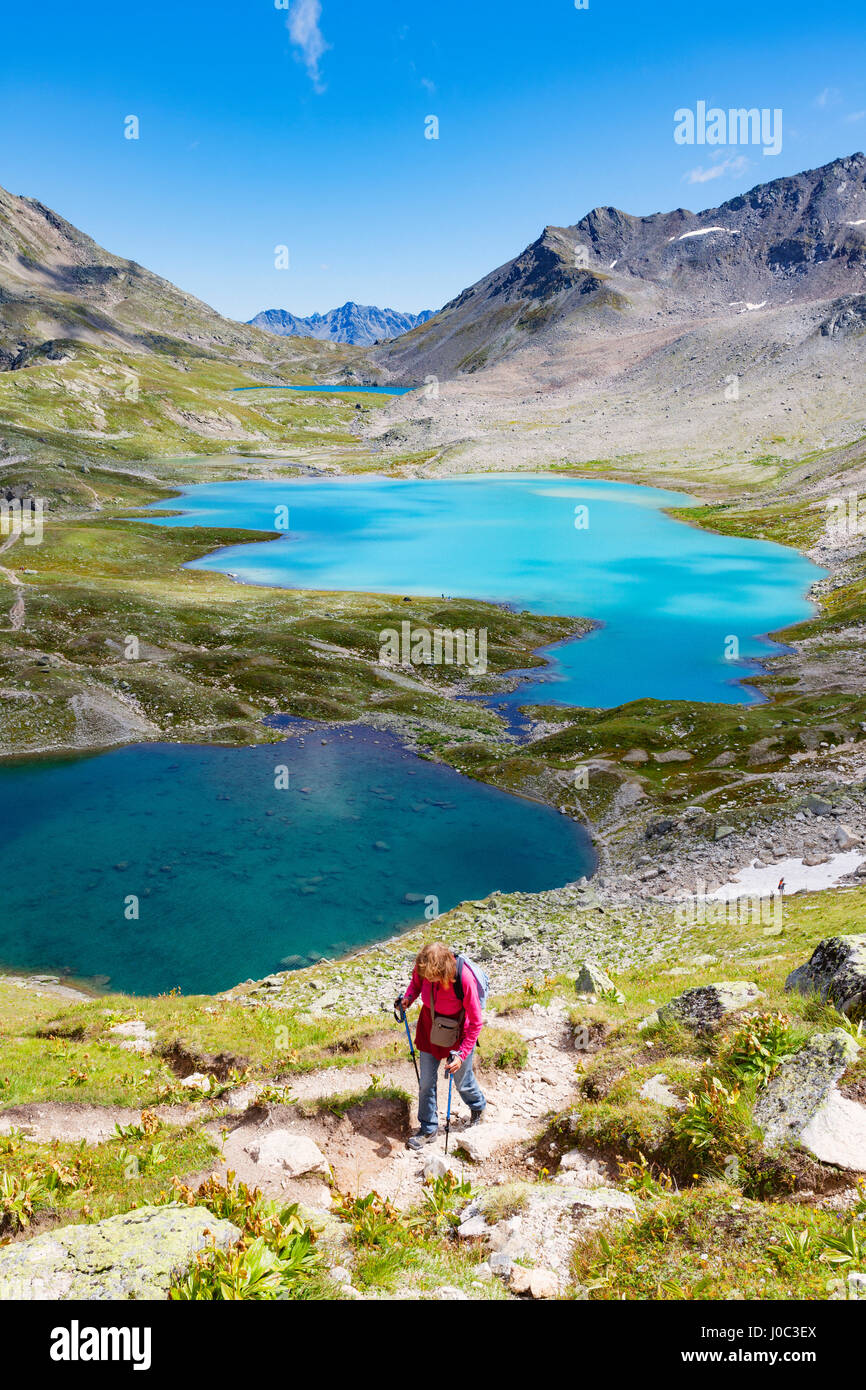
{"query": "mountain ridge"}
{"type": "Point", "coordinates": [359, 324]}
{"type": "Point", "coordinates": [797, 238]}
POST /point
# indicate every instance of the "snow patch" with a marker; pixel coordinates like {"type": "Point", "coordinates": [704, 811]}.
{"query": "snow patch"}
{"type": "Point", "coordinates": [762, 881]}
{"type": "Point", "coordinates": [705, 231]}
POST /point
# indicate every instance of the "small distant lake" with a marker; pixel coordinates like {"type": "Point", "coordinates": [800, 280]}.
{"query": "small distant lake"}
{"type": "Point", "coordinates": [334, 390]}
{"type": "Point", "coordinates": [682, 610]}
{"type": "Point", "coordinates": [237, 875]}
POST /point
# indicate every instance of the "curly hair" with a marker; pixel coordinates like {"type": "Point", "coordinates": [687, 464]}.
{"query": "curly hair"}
{"type": "Point", "coordinates": [436, 962]}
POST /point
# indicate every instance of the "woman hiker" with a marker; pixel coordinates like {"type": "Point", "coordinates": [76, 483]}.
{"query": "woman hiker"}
{"type": "Point", "coordinates": [445, 1024]}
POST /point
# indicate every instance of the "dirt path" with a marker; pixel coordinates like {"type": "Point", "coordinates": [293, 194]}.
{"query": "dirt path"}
{"type": "Point", "coordinates": [364, 1145]}
{"type": "Point", "coordinates": [17, 611]}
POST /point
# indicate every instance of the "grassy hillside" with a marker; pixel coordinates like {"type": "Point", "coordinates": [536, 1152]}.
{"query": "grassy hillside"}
{"type": "Point", "coordinates": [700, 1228]}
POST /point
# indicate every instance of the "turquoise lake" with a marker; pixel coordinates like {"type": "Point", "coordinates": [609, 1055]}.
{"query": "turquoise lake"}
{"type": "Point", "coordinates": [236, 877]}
{"type": "Point", "coordinates": [670, 597]}
{"type": "Point", "coordinates": [233, 876]}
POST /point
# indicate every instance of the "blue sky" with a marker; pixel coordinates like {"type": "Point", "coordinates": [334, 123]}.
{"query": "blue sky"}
{"type": "Point", "coordinates": [304, 126]}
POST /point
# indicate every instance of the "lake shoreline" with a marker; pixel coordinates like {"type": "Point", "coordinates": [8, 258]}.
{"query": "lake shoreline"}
{"type": "Point", "coordinates": [618, 843]}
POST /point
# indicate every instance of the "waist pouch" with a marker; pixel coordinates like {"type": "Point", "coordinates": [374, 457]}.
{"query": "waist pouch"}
{"type": "Point", "coordinates": [446, 1030]}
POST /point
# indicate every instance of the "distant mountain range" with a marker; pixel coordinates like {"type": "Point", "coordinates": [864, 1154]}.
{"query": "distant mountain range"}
{"type": "Point", "coordinates": [361, 324]}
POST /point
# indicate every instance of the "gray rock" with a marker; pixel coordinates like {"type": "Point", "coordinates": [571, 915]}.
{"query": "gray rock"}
{"type": "Point", "coordinates": [436, 1166]}
{"type": "Point", "coordinates": [473, 1228]}
{"type": "Point", "coordinates": [791, 1107]}
{"type": "Point", "coordinates": [818, 805]}
{"type": "Point", "coordinates": [538, 1283]}
{"type": "Point", "coordinates": [836, 972]}
{"type": "Point", "coordinates": [704, 1006]}
{"type": "Point", "coordinates": [134, 1036]}
{"type": "Point", "coordinates": [843, 839]}
{"type": "Point", "coordinates": [591, 979]}
{"type": "Point", "coordinates": [836, 1133]}
{"type": "Point", "coordinates": [636, 755]}
{"type": "Point", "coordinates": [132, 1256]}
{"type": "Point", "coordinates": [295, 1154]}
{"type": "Point", "coordinates": [722, 832]}
{"type": "Point", "coordinates": [515, 936]}
{"type": "Point", "coordinates": [655, 1089]}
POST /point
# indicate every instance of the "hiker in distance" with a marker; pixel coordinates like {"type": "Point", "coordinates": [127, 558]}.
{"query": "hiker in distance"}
{"type": "Point", "coordinates": [453, 991]}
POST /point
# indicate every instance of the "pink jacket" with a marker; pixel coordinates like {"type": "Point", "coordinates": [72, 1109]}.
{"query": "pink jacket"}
{"type": "Point", "coordinates": [447, 1002]}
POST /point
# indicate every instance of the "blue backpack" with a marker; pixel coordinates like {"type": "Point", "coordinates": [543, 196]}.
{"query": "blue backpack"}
{"type": "Point", "coordinates": [481, 979]}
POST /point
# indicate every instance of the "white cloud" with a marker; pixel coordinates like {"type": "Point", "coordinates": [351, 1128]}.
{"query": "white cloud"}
{"type": "Point", "coordinates": [716, 171]}
{"type": "Point", "coordinates": [305, 34]}
{"type": "Point", "coordinates": [855, 115]}
{"type": "Point", "coordinates": [831, 96]}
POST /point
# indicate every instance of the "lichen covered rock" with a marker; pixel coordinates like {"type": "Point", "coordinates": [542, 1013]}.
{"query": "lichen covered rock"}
{"type": "Point", "coordinates": [800, 1104]}
{"type": "Point", "coordinates": [701, 1008]}
{"type": "Point", "coordinates": [132, 1256]}
{"type": "Point", "coordinates": [836, 972]}
{"type": "Point", "coordinates": [591, 979]}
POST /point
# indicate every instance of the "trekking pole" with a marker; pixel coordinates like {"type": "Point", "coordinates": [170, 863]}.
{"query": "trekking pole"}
{"type": "Point", "coordinates": [401, 1014]}
{"type": "Point", "coordinates": [451, 1057]}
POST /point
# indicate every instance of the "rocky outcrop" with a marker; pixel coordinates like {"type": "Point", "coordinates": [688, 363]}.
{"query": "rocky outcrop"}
{"type": "Point", "coordinates": [294, 1154]}
{"type": "Point", "coordinates": [592, 980]}
{"type": "Point", "coordinates": [802, 1105]}
{"type": "Point", "coordinates": [702, 1008]}
{"type": "Point", "coordinates": [836, 972]}
{"type": "Point", "coordinates": [133, 1256]}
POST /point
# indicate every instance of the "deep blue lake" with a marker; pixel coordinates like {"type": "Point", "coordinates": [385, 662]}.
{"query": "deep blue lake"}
{"type": "Point", "coordinates": [236, 877]}
{"type": "Point", "coordinates": [670, 597]}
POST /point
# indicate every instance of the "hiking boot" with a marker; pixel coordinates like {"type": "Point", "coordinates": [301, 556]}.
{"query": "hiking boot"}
{"type": "Point", "coordinates": [417, 1141]}
{"type": "Point", "coordinates": [477, 1117]}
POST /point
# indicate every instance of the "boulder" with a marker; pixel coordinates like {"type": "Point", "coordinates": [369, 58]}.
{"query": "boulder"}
{"type": "Point", "coordinates": [436, 1166]}
{"type": "Point", "coordinates": [482, 1141]}
{"type": "Point", "coordinates": [655, 1089]}
{"type": "Point", "coordinates": [636, 755]}
{"type": "Point", "coordinates": [836, 972]}
{"type": "Point", "coordinates": [658, 828]}
{"type": "Point", "coordinates": [515, 936]}
{"type": "Point", "coordinates": [132, 1256]}
{"type": "Point", "coordinates": [473, 1228]}
{"type": "Point", "coordinates": [702, 1007]}
{"type": "Point", "coordinates": [673, 755]}
{"type": "Point", "coordinates": [133, 1036]}
{"type": "Point", "coordinates": [538, 1283]}
{"type": "Point", "coordinates": [818, 805]}
{"type": "Point", "coordinates": [294, 1154]}
{"type": "Point", "coordinates": [836, 1133]}
{"type": "Point", "coordinates": [591, 979]}
{"type": "Point", "coordinates": [800, 1103]}
{"type": "Point", "coordinates": [577, 1167]}
{"type": "Point", "coordinates": [507, 1239]}
{"type": "Point", "coordinates": [844, 839]}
